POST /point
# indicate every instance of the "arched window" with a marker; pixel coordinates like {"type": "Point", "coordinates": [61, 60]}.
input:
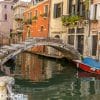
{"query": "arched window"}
{"type": "Point", "coordinates": [5, 16]}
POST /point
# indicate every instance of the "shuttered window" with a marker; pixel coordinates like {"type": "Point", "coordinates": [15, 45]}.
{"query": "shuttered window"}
{"type": "Point", "coordinates": [71, 31]}
{"type": "Point", "coordinates": [46, 10]}
{"type": "Point", "coordinates": [95, 12]}
{"type": "Point", "coordinates": [70, 7]}
{"type": "Point", "coordinates": [94, 45]}
{"type": "Point", "coordinates": [82, 9]}
{"type": "Point", "coordinates": [98, 12]}
{"type": "Point", "coordinates": [58, 10]}
{"type": "Point", "coordinates": [92, 11]}
{"type": "Point", "coordinates": [73, 9]}
{"type": "Point", "coordinates": [71, 40]}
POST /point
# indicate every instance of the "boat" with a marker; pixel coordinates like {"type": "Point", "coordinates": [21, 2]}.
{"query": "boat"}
{"type": "Point", "coordinates": [85, 75]}
{"type": "Point", "coordinates": [88, 64]}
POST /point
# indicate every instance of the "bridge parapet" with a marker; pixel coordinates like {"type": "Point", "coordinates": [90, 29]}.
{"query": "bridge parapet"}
{"type": "Point", "coordinates": [8, 52]}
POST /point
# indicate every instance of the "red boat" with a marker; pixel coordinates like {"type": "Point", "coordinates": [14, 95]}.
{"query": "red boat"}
{"type": "Point", "coordinates": [88, 65]}
{"type": "Point", "coordinates": [83, 74]}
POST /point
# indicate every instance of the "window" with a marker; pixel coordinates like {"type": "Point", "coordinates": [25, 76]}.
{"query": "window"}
{"type": "Point", "coordinates": [70, 7]}
{"type": "Point", "coordinates": [71, 39]}
{"type": "Point", "coordinates": [10, 30]}
{"type": "Point", "coordinates": [73, 9]}
{"type": "Point", "coordinates": [95, 11]}
{"type": "Point", "coordinates": [70, 31]}
{"type": "Point", "coordinates": [41, 28]}
{"type": "Point", "coordinates": [80, 43]}
{"type": "Point", "coordinates": [80, 30]}
{"type": "Point", "coordinates": [5, 6]}
{"type": "Point", "coordinates": [11, 7]}
{"type": "Point", "coordinates": [94, 44]}
{"type": "Point", "coordinates": [46, 10]}
{"type": "Point", "coordinates": [82, 9]}
{"type": "Point", "coordinates": [58, 10]}
{"type": "Point", "coordinates": [36, 13]}
{"type": "Point", "coordinates": [29, 15]}
{"type": "Point", "coordinates": [5, 16]}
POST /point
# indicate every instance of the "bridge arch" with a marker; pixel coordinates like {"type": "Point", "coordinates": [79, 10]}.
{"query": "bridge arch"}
{"type": "Point", "coordinates": [66, 49]}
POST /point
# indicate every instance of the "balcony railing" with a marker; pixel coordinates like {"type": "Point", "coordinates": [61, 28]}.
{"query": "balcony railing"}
{"type": "Point", "coordinates": [18, 17]}
{"type": "Point", "coordinates": [19, 29]}
{"type": "Point", "coordinates": [20, 3]}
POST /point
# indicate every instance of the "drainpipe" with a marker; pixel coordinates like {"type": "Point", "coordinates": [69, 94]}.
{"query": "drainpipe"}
{"type": "Point", "coordinates": [89, 35]}
{"type": "Point", "coordinates": [98, 46]}
{"type": "Point", "coordinates": [49, 18]}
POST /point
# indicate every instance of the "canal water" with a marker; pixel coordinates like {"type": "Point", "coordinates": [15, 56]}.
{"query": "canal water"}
{"type": "Point", "coordinates": [40, 78]}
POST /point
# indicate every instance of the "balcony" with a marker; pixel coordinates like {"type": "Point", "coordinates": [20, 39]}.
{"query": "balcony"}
{"type": "Point", "coordinates": [19, 17]}
{"type": "Point", "coordinates": [19, 29]}
{"type": "Point", "coordinates": [37, 1]}
{"type": "Point", "coordinates": [20, 4]}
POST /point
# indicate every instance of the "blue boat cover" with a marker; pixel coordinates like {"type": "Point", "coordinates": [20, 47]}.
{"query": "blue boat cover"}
{"type": "Point", "coordinates": [91, 62]}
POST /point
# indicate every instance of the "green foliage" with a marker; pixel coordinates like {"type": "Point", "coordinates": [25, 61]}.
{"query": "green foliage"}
{"type": "Point", "coordinates": [29, 21]}
{"type": "Point", "coordinates": [18, 19]}
{"type": "Point", "coordinates": [34, 18]}
{"type": "Point", "coordinates": [43, 15]}
{"type": "Point", "coordinates": [66, 20]}
{"type": "Point", "coordinates": [86, 4]}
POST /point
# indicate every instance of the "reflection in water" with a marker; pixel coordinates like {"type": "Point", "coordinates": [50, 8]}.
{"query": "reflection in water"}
{"type": "Point", "coordinates": [45, 79]}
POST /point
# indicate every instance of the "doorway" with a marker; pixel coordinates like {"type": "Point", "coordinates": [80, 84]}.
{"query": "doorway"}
{"type": "Point", "coordinates": [80, 43]}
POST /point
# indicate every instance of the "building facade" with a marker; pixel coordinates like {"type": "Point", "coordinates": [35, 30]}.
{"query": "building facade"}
{"type": "Point", "coordinates": [36, 22]}
{"type": "Point", "coordinates": [6, 20]}
{"type": "Point", "coordinates": [78, 25]}
{"type": "Point", "coordinates": [58, 9]}
{"type": "Point", "coordinates": [18, 8]}
{"type": "Point", "coordinates": [69, 22]}
{"type": "Point", "coordinates": [95, 29]}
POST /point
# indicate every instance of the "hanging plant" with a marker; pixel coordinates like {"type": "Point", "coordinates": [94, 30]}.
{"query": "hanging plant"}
{"type": "Point", "coordinates": [18, 19]}
{"type": "Point", "coordinates": [70, 20]}
{"type": "Point", "coordinates": [44, 15]}
{"type": "Point", "coordinates": [34, 18]}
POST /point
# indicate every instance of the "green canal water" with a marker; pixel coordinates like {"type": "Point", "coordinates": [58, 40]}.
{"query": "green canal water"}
{"type": "Point", "coordinates": [49, 79]}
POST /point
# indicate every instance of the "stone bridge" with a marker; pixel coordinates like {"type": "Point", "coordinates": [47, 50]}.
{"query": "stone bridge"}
{"type": "Point", "coordinates": [7, 52]}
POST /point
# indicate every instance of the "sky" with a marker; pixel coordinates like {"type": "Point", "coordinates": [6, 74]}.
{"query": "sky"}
{"type": "Point", "coordinates": [26, 0]}
{"type": "Point", "coordinates": [22, 0]}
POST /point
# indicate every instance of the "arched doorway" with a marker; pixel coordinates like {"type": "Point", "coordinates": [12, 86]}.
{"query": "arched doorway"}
{"type": "Point", "coordinates": [57, 36]}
